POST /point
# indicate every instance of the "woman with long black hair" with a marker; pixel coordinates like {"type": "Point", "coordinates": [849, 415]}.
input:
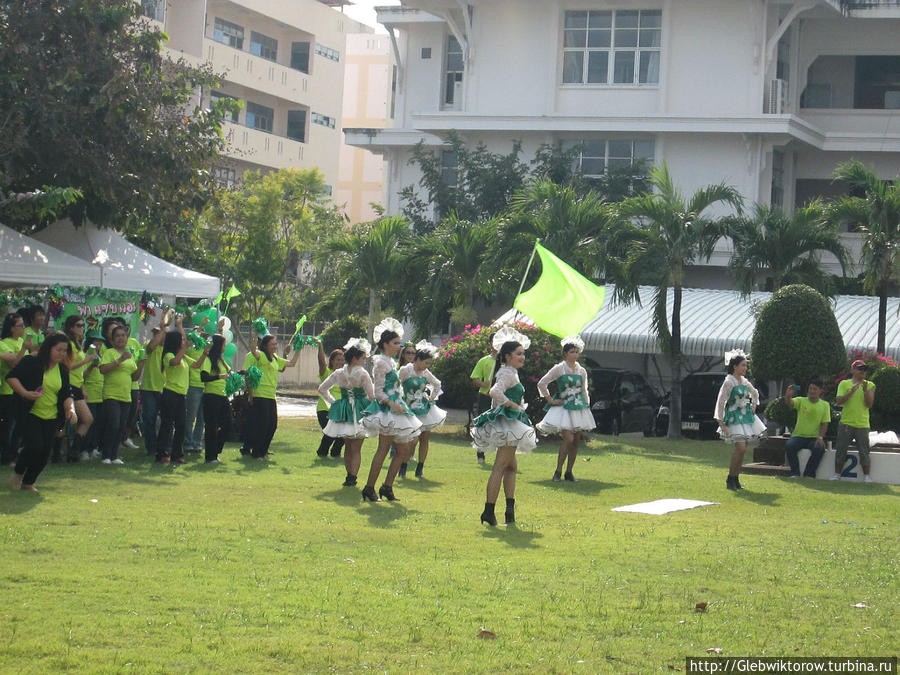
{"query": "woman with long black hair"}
{"type": "Point", "coordinates": [327, 366]}
{"type": "Point", "coordinates": [264, 411]}
{"type": "Point", "coordinates": [172, 406]}
{"type": "Point", "coordinates": [216, 409]}
{"type": "Point", "coordinates": [13, 347]}
{"type": "Point", "coordinates": [119, 370]}
{"type": "Point", "coordinates": [41, 384]}
{"type": "Point", "coordinates": [74, 330]}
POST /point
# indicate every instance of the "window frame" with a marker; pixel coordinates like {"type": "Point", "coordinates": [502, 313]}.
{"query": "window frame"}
{"type": "Point", "coordinates": [235, 42]}
{"type": "Point", "coordinates": [251, 104]}
{"type": "Point", "coordinates": [306, 117]}
{"type": "Point", "coordinates": [609, 160]}
{"type": "Point", "coordinates": [264, 49]}
{"type": "Point", "coordinates": [447, 85]}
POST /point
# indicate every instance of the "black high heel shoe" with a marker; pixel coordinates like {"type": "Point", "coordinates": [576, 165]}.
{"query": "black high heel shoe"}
{"type": "Point", "coordinates": [387, 491]}
{"type": "Point", "coordinates": [487, 516]}
{"type": "Point", "coordinates": [368, 494]}
{"type": "Point", "coordinates": [510, 514]}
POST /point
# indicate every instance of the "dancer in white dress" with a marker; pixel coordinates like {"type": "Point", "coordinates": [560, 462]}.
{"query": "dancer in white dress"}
{"type": "Point", "coordinates": [420, 390]}
{"type": "Point", "coordinates": [388, 415]}
{"type": "Point", "coordinates": [736, 413]}
{"type": "Point", "coordinates": [345, 414]}
{"type": "Point", "coordinates": [569, 414]}
{"type": "Point", "coordinates": [505, 427]}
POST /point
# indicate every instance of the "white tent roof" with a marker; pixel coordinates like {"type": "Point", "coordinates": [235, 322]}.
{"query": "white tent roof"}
{"type": "Point", "coordinates": [713, 321]}
{"type": "Point", "coordinates": [29, 262]}
{"type": "Point", "coordinates": [125, 266]}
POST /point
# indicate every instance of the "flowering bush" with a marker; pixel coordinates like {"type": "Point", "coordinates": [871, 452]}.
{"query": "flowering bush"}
{"type": "Point", "coordinates": [459, 354]}
{"type": "Point", "coordinates": [874, 363]}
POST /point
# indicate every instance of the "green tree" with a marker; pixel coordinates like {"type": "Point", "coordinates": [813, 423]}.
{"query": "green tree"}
{"type": "Point", "coordinates": [255, 237]}
{"type": "Point", "coordinates": [876, 215]}
{"type": "Point", "coordinates": [369, 258]}
{"type": "Point", "coordinates": [784, 248]}
{"type": "Point", "coordinates": [654, 239]}
{"type": "Point", "coordinates": [88, 101]}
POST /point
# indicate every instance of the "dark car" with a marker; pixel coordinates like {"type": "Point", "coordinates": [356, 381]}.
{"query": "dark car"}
{"type": "Point", "coordinates": [622, 401]}
{"type": "Point", "coordinates": [698, 401]}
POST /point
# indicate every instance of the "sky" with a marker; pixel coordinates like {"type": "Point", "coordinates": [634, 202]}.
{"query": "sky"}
{"type": "Point", "coordinates": [363, 10]}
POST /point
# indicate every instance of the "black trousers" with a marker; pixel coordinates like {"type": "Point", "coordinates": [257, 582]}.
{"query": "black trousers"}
{"type": "Point", "coordinates": [131, 422]}
{"type": "Point", "coordinates": [335, 444]}
{"type": "Point", "coordinates": [92, 440]}
{"type": "Point", "coordinates": [172, 415]}
{"type": "Point", "coordinates": [10, 432]}
{"type": "Point", "coordinates": [217, 424]}
{"type": "Point", "coordinates": [115, 415]}
{"type": "Point", "coordinates": [38, 436]}
{"type": "Point", "coordinates": [262, 425]}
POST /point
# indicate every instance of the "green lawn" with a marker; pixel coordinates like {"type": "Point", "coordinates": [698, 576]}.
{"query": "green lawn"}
{"type": "Point", "coordinates": [274, 567]}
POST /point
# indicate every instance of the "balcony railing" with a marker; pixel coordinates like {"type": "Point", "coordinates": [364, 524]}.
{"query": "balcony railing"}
{"type": "Point", "coordinates": [850, 5]}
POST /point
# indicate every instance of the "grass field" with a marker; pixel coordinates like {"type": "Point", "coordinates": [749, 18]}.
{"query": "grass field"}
{"type": "Point", "coordinates": [255, 567]}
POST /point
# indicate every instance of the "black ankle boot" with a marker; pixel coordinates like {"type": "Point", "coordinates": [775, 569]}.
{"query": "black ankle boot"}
{"type": "Point", "coordinates": [368, 494]}
{"type": "Point", "coordinates": [487, 516]}
{"type": "Point", "coordinates": [420, 469]}
{"type": "Point", "coordinates": [510, 515]}
{"type": "Point", "coordinates": [731, 483]}
{"type": "Point", "coordinates": [737, 483]}
{"type": "Point", "coordinates": [387, 491]}
{"type": "Point", "coordinates": [350, 481]}
{"type": "Point", "coordinates": [402, 472]}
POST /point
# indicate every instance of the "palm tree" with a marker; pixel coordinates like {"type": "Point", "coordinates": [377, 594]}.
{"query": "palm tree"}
{"type": "Point", "coordinates": [877, 216]}
{"type": "Point", "coordinates": [785, 248]}
{"type": "Point", "coordinates": [371, 258]}
{"type": "Point", "coordinates": [656, 236]}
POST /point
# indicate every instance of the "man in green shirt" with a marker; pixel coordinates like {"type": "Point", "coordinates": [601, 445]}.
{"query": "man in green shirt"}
{"type": "Point", "coordinates": [813, 417]}
{"type": "Point", "coordinates": [856, 395]}
{"type": "Point", "coordinates": [483, 377]}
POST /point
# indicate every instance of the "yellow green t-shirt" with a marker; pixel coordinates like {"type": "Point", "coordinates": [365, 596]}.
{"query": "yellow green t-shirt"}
{"type": "Point", "coordinates": [117, 382]}
{"type": "Point", "coordinates": [134, 347]}
{"type": "Point", "coordinates": [270, 370]}
{"type": "Point", "coordinates": [249, 360]}
{"type": "Point", "coordinates": [76, 375]}
{"type": "Point", "coordinates": [93, 384]}
{"type": "Point", "coordinates": [8, 345]}
{"type": "Point", "coordinates": [152, 378]}
{"type": "Point", "coordinates": [215, 386]}
{"type": "Point", "coordinates": [36, 338]}
{"type": "Point", "coordinates": [484, 370]}
{"type": "Point", "coordinates": [855, 413]}
{"type": "Point", "coordinates": [335, 390]}
{"type": "Point", "coordinates": [46, 406]}
{"type": "Point", "coordinates": [810, 416]}
{"type": "Point", "coordinates": [194, 374]}
{"type": "Point", "coordinates": [177, 376]}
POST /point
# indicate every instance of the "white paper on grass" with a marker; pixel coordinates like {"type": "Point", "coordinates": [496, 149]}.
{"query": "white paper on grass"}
{"type": "Point", "coordinates": [661, 506]}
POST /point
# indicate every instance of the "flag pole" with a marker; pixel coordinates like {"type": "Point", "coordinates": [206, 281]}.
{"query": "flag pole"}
{"type": "Point", "coordinates": [527, 270]}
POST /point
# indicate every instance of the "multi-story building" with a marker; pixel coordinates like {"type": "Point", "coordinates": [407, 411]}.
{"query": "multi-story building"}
{"type": "Point", "coordinates": [766, 96]}
{"type": "Point", "coordinates": [284, 61]}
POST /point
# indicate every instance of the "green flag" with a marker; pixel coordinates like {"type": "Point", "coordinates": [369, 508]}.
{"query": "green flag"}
{"type": "Point", "coordinates": [233, 292]}
{"type": "Point", "coordinates": [562, 301]}
{"type": "Point", "coordinates": [218, 298]}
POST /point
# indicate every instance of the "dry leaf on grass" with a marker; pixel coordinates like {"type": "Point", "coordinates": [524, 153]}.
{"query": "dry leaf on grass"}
{"type": "Point", "coordinates": [714, 650]}
{"type": "Point", "coordinates": [700, 607]}
{"type": "Point", "coordinates": [486, 634]}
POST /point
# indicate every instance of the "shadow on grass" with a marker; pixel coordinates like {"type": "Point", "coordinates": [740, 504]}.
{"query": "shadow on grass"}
{"type": "Point", "coordinates": [19, 501]}
{"type": "Point", "coordinates": [344, 496]}
{"type": "Point", "coordinates": [582, 486]}
{"type": "Point", "coordinates": [417, 484]}
{"type": "Point", "coordinates": [383, 514]}
{"type": "Point", "coordinates": [751, 495]}
{"type": "Point", "coordinates": [844, 487]}
{"type": "Point", "coordinates": [512, 536]}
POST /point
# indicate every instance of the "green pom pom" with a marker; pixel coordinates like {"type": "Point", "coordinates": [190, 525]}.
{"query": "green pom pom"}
{"type": "Point", "coordinates": [254, 376]}
{"type": "Point", "coordinates": [301, 341]}
{"type": "Point", "coordinates": [234, 383]}
{"type": "Point", "coordinates": [261, 326]}
{"type": "Point", "coordinates": [197, 340]}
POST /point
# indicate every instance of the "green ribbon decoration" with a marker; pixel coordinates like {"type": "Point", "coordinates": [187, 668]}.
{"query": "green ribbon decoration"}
{"type": "Point", "coordinates": [301, 341]}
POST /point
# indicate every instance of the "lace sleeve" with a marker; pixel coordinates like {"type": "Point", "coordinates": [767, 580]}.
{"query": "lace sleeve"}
{"type": "Point", "coordinates": [435, 385]}
{"type": "Point", "coordinates": [584, 384]}
{"type": "Point", "coordinates": [543, 385]}
{"type": "Point", "coordinates": [380, 370]}
{"type": "Point", "coordinates": [405, 372]}
{"type": "Point", "coordinates": [754, 394]}
{"type": "Point", "coordinates": [366, 384]}
{"type": "Point", "coordinates": [506, 378]}
{"type": "Point", "coordinates": [722, 399]}
{"type": "Point", "coordinates": [324, 389]}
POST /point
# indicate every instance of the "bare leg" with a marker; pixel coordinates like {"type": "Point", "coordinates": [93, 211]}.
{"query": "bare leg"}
{"type": "Point", "coordinates": [353, 455]}
{"type": "Point", "coordinates": [85, 419]}
{"type": "Point", "coordinates": [737, 458]}
{"type": "Point", "coordinates": [563, 450]}
{"type": "Point", "coordinates": [509, 477]}
{"type": "Point", "coordinates": [403, 452]}
{"type": "Point", "coordinates": [423, 446]}
{"type": "Point", "coordinates": [573, 449]}
{"type": "Point", "coordinates": [384, 444]}
{"type": "Point", "coordinates": [506, 457]}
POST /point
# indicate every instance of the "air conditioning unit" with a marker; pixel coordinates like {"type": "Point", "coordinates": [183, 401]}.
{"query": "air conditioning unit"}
{"type": "Point", "coordinates": [457, 96]}
{"type": "Point", "coordinates": [777, 99]}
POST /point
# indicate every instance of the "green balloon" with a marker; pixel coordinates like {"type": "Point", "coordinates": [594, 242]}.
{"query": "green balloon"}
{"type": "Point", "coordinates": [229, 352]}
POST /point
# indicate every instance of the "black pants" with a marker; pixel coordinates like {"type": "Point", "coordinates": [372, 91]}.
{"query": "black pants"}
{"type": "Point", "coordinates": [9, 431]}
{"type": "Point", "coordinates": [38, 436]}
{"type": "Point", "coordinates": [217, 424]}
{"type": "Point", "coordinates": [131, 422]}
{"type": "Point", "coordinates": [172, 414]}
{"type": "Point", "coordinates": [328, 442]}
{"type": "Point", "coordinates": [92, 440]}
{"type": "Point", "coordinates": [115, 415]}
{"type": "Point", "coordinates": [262, 425]}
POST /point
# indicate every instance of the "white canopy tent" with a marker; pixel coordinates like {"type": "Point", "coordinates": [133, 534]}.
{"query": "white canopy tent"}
{"type": "Point", "coordinates": [28, 262]}
{"type": "Point", "coordinates": [124, 266]}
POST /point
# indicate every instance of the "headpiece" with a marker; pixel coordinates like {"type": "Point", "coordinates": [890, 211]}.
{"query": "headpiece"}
{"type": "Point", "coordinates": [360, 343]}
{"type": "Point", "coordinates": [426, 346]}
{"type": "Point", "coordinates": [509, 334]}
{"type": "Point", "coordinates": [573, 340]}
{"type": "Point", "coordinates": [733, 353]}
{"type": "Point", "coordinates": [388, 323]}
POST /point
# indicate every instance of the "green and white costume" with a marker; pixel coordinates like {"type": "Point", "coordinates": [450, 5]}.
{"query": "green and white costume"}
{"type": "Point", "coordinates": [503, 426]}
{"type": "Point", "coordinates": [379, 418]}
{"type": "Point", "coordinates": [420, 390]}
{"type": "Point", "coordinates": [736, 406]}
{"type": "Point", "coordinates": [345, 414]}
{"type": "Point", "coordinates": [574, 414]}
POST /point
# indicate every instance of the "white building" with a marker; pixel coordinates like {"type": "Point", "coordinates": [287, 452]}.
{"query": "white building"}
{"type": "Point", "coordinates": [285, 62]}
{"type": "Point", "coordinates": [766, 96]}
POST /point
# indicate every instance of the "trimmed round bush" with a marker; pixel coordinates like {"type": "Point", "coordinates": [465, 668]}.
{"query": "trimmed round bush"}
{"type": "Point", "coordinates": [885, 411]}
{"type": "Point", "coordinates": [337, 333]}
{"type": "Point", "coordinates": [797, 336]}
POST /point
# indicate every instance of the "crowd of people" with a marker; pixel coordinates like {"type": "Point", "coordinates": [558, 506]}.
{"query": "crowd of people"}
{"type": "Point", "coordinates": [100, 383]}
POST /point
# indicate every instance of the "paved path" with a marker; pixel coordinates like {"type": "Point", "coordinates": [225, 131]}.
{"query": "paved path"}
{"type": "Point", "coordinates": [292, 406]}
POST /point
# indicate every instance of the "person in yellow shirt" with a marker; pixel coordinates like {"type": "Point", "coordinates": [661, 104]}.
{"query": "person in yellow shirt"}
{"type": "Point", "coordinates": [93, 392]}
{"type": "Point", "coordinates": [13, 347]}
{"type": "Point", "coordinates": [263, 415]}
{"type": "Point", "coordinates": [172, 410]}
{"type": "Point", "coordinates": [134, 346]}
{"type": "Point", "coordinates": [327, 366]}
{"type": "Point", "coordinates": [81, 359]}
{"type": "Point", "coordinates": [857, 396]}
{"type": "Point", "coordinates": [214, 371]}
{"type": "Point", "coordinates": [34, 318]}
{"type": "Point", "coordinates": [119, 370]}
{"type": "Point", "coordinates": [152, 384]}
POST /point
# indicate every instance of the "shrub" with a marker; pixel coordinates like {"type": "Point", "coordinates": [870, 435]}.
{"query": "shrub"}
{"type": "Point", "coordinates": [874, 363]}
{"type": "Point", "coordinates": [885, 412]}
{"type": "Point", "coordinates": [337, 333]}
{"type": "Point", "coordinates": [797, 335]}
{"type": "Point", "coordinates": [459, 354]}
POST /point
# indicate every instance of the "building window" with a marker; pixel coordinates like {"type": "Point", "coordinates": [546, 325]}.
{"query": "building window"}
{"type": "Point", "coordinates": [300, 56]}
{"type": "Point", "coordinates": [324, 120]}
{"type": "Point", "coordinates": [263, 46]}
{"type": "Point", "coordinates": [154, 9]}
{"type": "Point", "coordinates": [777, 196]}
{"type": "Point", "coordinates": [328, 53]}
{"type": "Point", "coordinates": [327, 190]}
{"type": "Point", "coordinates": [453, 70]}
{"type": "Point", "coordinates": [219, 96]}
{"type": "Point", "coordinates": [225, 177]}
{"type": "Point", "coordinates": [611, 46]}
{"type": "Point", "coordinates": [597, 156]}
{"type": "Point", "coordinates": [260, 117]}
{"type": "Point", "coordinates": [296, 125]}
{"type": "Point", "coordinates": [228, 33]}
{"type": "Point", "coordinates": [449, 176]}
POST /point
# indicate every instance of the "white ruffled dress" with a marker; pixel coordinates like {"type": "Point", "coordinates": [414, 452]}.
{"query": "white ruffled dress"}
{"type": "Point", "coordinates": [736, 406]}
{"type": "Point", "coordinates": [379, 418]}
{"type": "Point", "coordinates": [574, 414]}
{"type": "Point", "coordinates": [420, 390]}
{"type": "Point", "coordinates": [345, 414]}
{"type": "Point", "coordinates": [502, 426]}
